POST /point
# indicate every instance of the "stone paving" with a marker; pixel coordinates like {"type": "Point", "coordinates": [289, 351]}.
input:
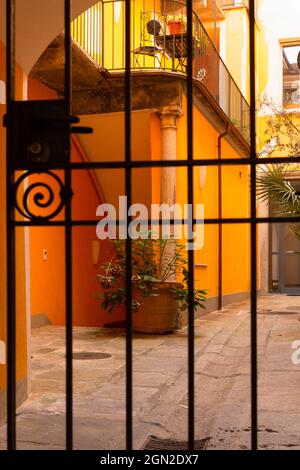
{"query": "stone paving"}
{"type": "Point", "coordinates": [222, 379]}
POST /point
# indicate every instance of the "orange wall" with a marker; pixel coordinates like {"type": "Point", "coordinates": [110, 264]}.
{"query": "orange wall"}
{"type": "Point", "coordinates": [107, 144]}
{"type": "Point", "coordinates": [21, 339]}
{"type": "Point", "coordinates": [48, 277]}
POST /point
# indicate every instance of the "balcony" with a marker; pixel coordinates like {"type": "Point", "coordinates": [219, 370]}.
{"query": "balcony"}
{"type": "Point", "coordinates": [159, 45]}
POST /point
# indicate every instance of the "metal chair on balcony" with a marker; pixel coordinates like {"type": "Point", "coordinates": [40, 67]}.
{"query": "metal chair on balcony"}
{"type": "Point", "coordinates": [152, 50]}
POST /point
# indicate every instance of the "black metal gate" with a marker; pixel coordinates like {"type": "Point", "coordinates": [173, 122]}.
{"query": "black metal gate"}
{"type": "Point", "coordinates": [59, 123]}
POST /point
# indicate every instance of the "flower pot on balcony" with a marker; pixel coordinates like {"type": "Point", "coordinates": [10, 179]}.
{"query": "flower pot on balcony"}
{"type": "Point", "coordinates": [157, 314]}
{"type": "Point", "coordinates": [175, 27]}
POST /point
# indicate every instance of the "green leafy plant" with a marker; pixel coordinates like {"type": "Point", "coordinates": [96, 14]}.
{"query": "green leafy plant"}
{"type": "Point", "coordinates": [274, 181]}
{"type": "Point", "coordinates": [153, 261]}
{"type": "Point", "coordinates": [274, 186]}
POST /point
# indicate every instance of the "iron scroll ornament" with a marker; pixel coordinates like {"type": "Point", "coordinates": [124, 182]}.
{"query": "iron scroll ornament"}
{"type": "Point", "coordinates": [43, 198]}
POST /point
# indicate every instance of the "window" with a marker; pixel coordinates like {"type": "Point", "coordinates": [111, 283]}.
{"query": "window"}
{"type": "Point", "coordinates": [291, 75]}
{"type": "Point", "coordinates": [235, 3]}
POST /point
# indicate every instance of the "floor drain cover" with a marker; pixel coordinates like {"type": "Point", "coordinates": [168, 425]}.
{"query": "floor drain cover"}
{"type": "Point", "coordinates": [156, 443]}
{"type": "Point", "coordinates": [90, 355]}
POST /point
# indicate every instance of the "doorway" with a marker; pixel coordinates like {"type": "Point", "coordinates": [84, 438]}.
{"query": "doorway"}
{"type": "Point", "coordinates": [285, 261]}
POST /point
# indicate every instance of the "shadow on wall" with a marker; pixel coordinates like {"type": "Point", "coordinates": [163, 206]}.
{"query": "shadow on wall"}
{"type": "Point", "coordinates": [47, 250]}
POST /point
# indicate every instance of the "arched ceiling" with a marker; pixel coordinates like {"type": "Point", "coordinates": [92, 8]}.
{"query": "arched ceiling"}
{"type": "Point", "coordinates": [38, 22]}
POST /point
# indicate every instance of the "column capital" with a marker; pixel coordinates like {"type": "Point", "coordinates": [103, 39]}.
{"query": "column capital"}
{"type": "Point", "coordinates": [168, 116]}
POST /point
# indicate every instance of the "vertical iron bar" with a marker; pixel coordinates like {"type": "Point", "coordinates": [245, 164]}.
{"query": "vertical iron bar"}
{"type": "Point", "coordinates": [191, 335]}
{"type": "Point", "coordinates": [97, 33]}
{"type": "Point", "coordinates": [90, 30]}
{"type": "Point", "coordinates": [253, 230]}
{"type": "Point", "coordinates": [10, 230]}
{"type": "Point", "coordinates": [215, 51]}
{"type": "Point", "coordinates": [128, 239]}
{"type": "Point", "coordinates": [220, 233]}
{"type": "Point", "coordinates": [93, 20]}
{"type": "Point", "coordinates": [113, 37]}
{"type": "Point", "coordinates": [68, 237]}
{"type": "Point", "coordinates": [92, 27]}
{"type": "Point", "coordinates": [143, 26]}
{"type": "Point", "coordinates": [83, 29]}
{"type": "Point", "coordinates": [241, 117]}
{"type": "Point", "coordinates": [215, 25]}
{"type": "Point", "coordinates": [229, 96]}
{"type": "Point", "coordinates": [102, 34]}
{"type": "Point", "coordinates": [271, 244]}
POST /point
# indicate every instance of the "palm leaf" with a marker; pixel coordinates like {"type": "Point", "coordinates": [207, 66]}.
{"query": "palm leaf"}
{"type": "Point", "coordinates": [274, 187]}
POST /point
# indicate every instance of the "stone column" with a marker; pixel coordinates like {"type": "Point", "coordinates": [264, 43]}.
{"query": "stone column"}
{"type": "Point", "coordinates": [168, 116]}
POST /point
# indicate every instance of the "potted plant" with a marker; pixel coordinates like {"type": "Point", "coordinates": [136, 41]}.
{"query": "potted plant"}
{"type": "Point", "coordinates": [157, 298]}
{"type": "Point", "coordinates": [176, 24]}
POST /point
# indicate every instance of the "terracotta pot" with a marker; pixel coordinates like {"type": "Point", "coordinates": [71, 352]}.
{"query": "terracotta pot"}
{"type": "Point", "coordinates": [175, 27]}
{"type": "Point", "coordinates": [158, 314]}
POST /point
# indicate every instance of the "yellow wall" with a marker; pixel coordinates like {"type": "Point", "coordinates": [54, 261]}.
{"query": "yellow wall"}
{"type": "Point", "coordinates": [237, 47]}
{"type": "Point", "coordinates": [235, 196]}
{"type": "Point", "coordinates": [237, 51]}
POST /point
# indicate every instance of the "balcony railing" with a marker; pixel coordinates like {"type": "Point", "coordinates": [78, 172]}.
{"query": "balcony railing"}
{"type": "Point", "coordinates": [159, 44]}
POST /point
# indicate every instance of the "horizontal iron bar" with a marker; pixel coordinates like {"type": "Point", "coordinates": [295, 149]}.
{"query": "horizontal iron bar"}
{"type": "Point", "coordinates": [91, 222]}
{"type": "Point", "coordinates": [159, 163]}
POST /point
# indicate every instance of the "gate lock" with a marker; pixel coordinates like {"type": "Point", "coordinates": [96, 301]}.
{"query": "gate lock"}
{"type": "Point", "coordinates": [41, 132]}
